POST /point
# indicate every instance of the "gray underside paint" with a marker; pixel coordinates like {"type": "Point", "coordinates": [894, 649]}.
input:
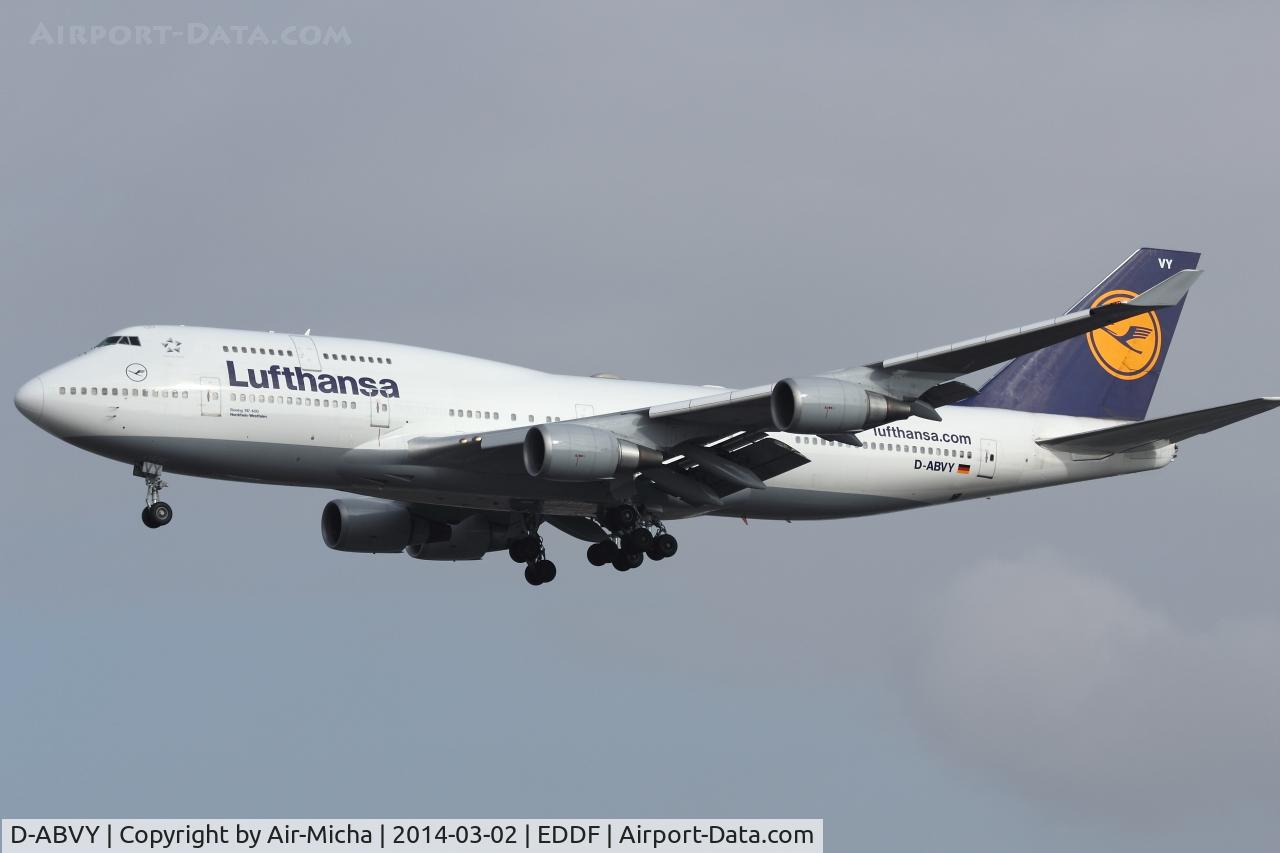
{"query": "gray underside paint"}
{"type": "Point", "coordinates": [323, 467]}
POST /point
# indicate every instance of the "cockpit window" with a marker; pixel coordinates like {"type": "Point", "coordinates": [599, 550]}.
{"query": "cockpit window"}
{"type": "Point", "coordinates": [106, 342]}
{"type": "Point", "coordinates": [127, 340]}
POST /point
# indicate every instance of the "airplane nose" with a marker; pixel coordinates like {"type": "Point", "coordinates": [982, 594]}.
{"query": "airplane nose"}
{"type": "Point", "coordinates": [30, 400]}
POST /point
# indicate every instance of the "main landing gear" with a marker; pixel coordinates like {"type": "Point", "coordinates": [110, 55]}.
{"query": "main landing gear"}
{"type": "Point", "coordinates": [156, 513]}
{"type": "Point", "coordinates": [529, 549]}
{"type": "Point", "coordinates": [633, 538]}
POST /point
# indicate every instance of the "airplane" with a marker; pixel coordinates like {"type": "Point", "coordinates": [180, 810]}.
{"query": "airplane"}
{"type": "Point", "coordinates": [454, 457]}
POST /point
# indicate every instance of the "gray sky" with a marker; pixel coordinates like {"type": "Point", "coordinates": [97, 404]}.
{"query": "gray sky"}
{"type": "Point", "coordinates": [725, 193]}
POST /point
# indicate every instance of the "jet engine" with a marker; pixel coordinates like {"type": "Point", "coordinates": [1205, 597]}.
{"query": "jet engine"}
{"type": "Point", "coordinates": [376, 527]}
{"type": "Point", "coordinates": [576, 453]}
{"type": "Point", "coordinates": [819, 405]}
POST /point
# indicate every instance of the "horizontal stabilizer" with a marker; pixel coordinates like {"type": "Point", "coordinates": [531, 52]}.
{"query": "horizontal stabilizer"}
{"type": "Point", "coordinates": [1160, 431]}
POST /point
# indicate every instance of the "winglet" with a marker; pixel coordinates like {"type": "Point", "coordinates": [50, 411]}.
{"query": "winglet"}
{"type": "Point", "coordinates": [1169, 292]}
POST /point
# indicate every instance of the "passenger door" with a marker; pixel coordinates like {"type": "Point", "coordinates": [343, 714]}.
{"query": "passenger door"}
{"type": "Point", "coordinates": [380, 413]}
{"type": "Point", "coordinates": [987, 461]}
{"type": "Point", "coordinates": [308, 355]}
{"type": "Point", "coordinates": [210, 396]}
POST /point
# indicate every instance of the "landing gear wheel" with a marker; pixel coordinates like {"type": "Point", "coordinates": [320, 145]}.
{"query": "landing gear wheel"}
{"type": "Point", "coordinates": [531, 575]}
{"type": "Point", "coordinates": [525, 550]}
{"type": "Point", "coordinates": [601, 553]}
{"type": "Point", "coordinates": [546, 571]}
{"type": "Point", "coordinates": [627, 560]}
{"type": "Point", "coordinates": [156, 513]}
{"type": "Point", "coordinates": [664, 544]}
{"type": "Point", "coordinates": [161, 513]}
{"type": "Point", "coordinates": [638, 540]}
{"type": "Point", "coordinates": [622, 517]}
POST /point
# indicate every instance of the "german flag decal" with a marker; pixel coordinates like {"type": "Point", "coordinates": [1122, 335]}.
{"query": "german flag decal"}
{"type": "Point", "coordinates": [962, 469]}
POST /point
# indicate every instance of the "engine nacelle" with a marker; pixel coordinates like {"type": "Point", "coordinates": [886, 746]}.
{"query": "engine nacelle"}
{"type": "Point", "coordinates": [819, 405]}
{"type": "Point", "coordinates": [576, 453]}
{"type": "Point", "coordinates": [469, 539]}
{"type": "Point", "coordinates": [375, 527]}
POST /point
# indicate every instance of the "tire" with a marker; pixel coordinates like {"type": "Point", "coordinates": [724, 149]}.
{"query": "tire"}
{"type": "Point", "coordinates": [654, 554]}
{"type": "Point", "coordinates": [525, 550]}
{"type": "Point", "coordinates": [545, 570]}
{"type": "Point", "coordinates": [147, 519]}
{"type": "Point", "coordinates": [161, 513]}
{"type": "Point", "coordinates": [665, 545]}
{"type": "Point", "coordinates": [623, 516]}
{"type": "Point", "coordinates": [531, 575]}
{"type": "Point", "coordinates": [639, 540]}
{"type": "Point", "coordinates": [627, 560]}
{"type": "Point", "coordinates": [601, 553]}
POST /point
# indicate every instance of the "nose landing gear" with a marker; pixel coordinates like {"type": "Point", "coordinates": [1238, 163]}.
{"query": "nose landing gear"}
{"type": "Point", "coordinates": [156, 513]}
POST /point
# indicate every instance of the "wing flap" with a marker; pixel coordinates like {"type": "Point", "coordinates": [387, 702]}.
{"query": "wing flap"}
{"type": "Point", "coordinates": [763, 457]}
{"type": "Point", "coordinates": [1160, 431]}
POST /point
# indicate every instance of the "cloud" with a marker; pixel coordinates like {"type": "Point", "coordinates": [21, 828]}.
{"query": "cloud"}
{"type": "Point", "coordinates": [1067, 686]}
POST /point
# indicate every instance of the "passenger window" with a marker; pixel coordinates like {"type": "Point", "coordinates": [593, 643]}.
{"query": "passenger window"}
{"type": "Point", "coordinates": [308, 399]}
{"type": "Point", "coordinates": [513, 416]}
{"type": "Point", "coordinates": [379, 359]}
{"type": "Point", "coordinates": [388, 361]}
{"type": "Point", "coordinates": [73, 391]}
{"type": "Point", "coordinates": [530, 418]}
{"type": "Point", "coordinates": [62, 390]}
{"type": "Point", "coordinates": [486, 415]}
{"type": "Point", "coordinates": [235, 349]}
{"type": "Point", "coordinates": [288, 352]}
{"type": "Point", "coordinates": [115, 392]}
{"type": "Point", "coordinates": [95, 392]}
{"type": "Point", "coordinates": [224, 348]}
{"type": "Point", "coordinates": [557, 420]}
{"type": "Point", "coordinates": [184, 395]}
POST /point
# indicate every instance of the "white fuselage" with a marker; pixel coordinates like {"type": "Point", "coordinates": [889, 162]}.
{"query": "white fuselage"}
{"type": "Point", "coordinates": [207, 402]}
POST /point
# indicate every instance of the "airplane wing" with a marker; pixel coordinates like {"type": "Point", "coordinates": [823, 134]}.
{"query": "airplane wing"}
{"type": "Point", "coordinates": [927, 375]}
{"type": "Point", "coordinates": [1160, 431]}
